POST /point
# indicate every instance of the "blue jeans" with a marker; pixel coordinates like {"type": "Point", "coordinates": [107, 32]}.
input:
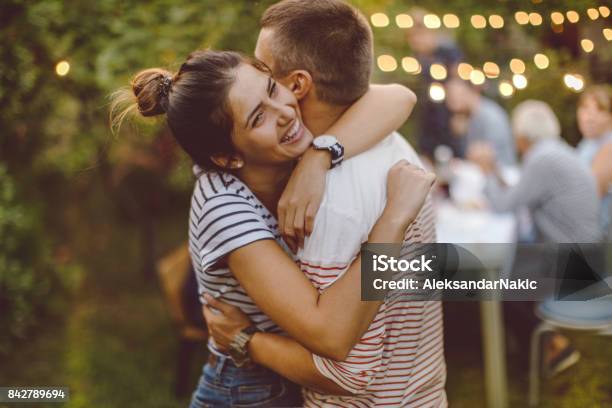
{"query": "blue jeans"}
{"type": "Point", "coordinates": [226, 385]}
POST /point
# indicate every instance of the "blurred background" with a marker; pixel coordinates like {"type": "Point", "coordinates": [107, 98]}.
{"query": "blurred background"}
{"type": "Point", "coordinates": [91, 223]}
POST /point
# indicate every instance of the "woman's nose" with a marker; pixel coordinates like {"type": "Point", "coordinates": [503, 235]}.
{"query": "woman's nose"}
{"type": "Point", "coordinates": [286, 114]}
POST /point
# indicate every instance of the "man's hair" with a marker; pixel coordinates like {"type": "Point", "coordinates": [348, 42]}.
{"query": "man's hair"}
{"type": "Point", "coordinates": [328, 38]}
{"type": "Point", "coordinates": [535, 120]}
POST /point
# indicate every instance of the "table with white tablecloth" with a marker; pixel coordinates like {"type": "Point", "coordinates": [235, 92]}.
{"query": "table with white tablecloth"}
{"type": "Point", "coordinates": [474, 229]}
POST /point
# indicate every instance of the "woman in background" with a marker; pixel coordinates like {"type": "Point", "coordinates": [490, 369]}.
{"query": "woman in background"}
{"type": "Point", "coordinates": [595, 123]}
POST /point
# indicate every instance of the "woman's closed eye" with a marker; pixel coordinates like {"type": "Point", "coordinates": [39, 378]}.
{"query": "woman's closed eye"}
{"type": "Point", "coordinates": [272, 91]}
{"type": "Point", "coordinates": [258, 119]}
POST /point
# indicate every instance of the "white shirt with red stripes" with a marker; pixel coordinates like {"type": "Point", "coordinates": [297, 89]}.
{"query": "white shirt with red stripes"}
{"type": "Point", "coordinates": [399, 361]}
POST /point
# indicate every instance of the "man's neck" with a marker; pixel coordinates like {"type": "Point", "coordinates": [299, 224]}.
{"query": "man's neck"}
{"type": "Point", "coordinates": [319, 116]}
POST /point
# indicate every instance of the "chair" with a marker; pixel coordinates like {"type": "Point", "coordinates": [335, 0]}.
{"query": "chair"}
{"type": "Point", "coordinates": [593, 316]}
{"type": "Point", "coordinates": [174, 271]}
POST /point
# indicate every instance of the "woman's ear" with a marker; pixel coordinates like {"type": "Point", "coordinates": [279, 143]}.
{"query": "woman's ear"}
{"type": "Point", "coordinates": [299, 82]}
{"type": "Point", "coordinates": [228, 161]}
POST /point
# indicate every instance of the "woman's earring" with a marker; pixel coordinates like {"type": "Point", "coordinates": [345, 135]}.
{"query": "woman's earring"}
{"type": "Point", "coordinates": [236, 163]}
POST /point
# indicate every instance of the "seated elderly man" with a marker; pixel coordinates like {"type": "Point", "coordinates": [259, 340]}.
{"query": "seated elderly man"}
{"type": "Point", "coordinates": [555, 186]}
{"type": "Point", "coordinates": [560, 194]}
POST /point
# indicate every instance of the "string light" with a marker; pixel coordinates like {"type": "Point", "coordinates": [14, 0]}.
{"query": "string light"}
{"type": "Point", "coordinates": [517, 66]}
{"type": "Point", "coordinates": [607, 32]}
{"type": "Point", "coordinates": [478, 21]}
{"type": "Point", "coordinates": [431, 21]}
{"type": "Point", "coordinates": [387, 63]}
{"type": "Point", "coordinates": [496, 21]}
{"type": "Point", "coordinates": [411, 65]}
{"type": "Point", "coordinates": [491, 69]}
{"type": "Point", "coordinates": [557, 18]}
{"type": "Point", "coordinates": [593, 13]}
{"type": "Point", "coordinates": [437, 92]}
{"type": "Point", "coordinates": [62, 68]}
{"type": "Point", "coordinates": [450, 21]}
{"type": "Point", "coordinates": [521, 17]}
{"type": "Point", "coordinates": [464, 70]}
{"type": "Point", "coordinates": [574, 82]}
{"type": "Point", "coordinates": [404, 21]}
{"type": "Point", "coordinates": [572, 16]}
{"type": "Point", "coordinates": [604, 11]}
{"type": "Point", "coordinates": [541, 61]}
{"type": "Point", "coordinates": [438, 72]}
{"type": "Point", "coordinates": [506, 89]}
{"type": "Point", "coordinates": [477, 77]}
{"type": "Point", "coordinates": [519, 81]}
{"type": "Point", "coordinates": [379, 20]}
{"type": "Point", "coordinates": [587, 45]}
{"type": "Point", "coordinates": [535, 19]}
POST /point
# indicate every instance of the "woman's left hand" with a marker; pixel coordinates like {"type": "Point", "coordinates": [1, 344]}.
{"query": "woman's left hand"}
{"type": "Point", "coordinates": [224, 321]}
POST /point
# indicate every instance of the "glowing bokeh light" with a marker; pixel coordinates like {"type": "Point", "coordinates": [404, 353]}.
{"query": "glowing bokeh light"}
{"type": "Point", "coordinates": [541, 61]}
{"type": "Point", "coordinates": [62, 68]}
{"type": "Point", "coordinates": [379, 20]}
{"type": "Point", "coordinates": [387, 63]}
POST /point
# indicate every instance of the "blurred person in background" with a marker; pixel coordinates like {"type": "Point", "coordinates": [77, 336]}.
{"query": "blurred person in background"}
{"type": "Point", "coordinates": [560, 194]}
{"type": "Point", "coordinates": [595, 149]}
{"type": "Point", "coordinates": [430, 47]}
{"type": "Point", "coordinates": [477, 119]}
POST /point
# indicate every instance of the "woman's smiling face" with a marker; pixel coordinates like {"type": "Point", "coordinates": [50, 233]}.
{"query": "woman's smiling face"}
{"type": "Point", "coordinates": [267, 128]}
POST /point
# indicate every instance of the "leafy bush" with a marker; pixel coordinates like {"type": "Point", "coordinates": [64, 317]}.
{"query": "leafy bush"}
{"type": "Point", "coordinates": [31, 287]}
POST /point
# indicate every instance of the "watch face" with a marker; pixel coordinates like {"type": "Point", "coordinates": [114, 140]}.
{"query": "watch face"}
{"type": "Point", "coordinates": [325, 141]}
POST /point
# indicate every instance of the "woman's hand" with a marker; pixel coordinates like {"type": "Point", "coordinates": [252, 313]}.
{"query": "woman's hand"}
{"type": "Point", "coordinates": [302, 197]}
{"type": "Point", "coordinates": [407, 188]}
{"type": "Point", "coordinates": [224, 321]}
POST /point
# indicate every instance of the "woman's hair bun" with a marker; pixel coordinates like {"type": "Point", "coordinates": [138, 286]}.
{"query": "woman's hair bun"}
{"type": "Point", "coordinates": [151, 88]}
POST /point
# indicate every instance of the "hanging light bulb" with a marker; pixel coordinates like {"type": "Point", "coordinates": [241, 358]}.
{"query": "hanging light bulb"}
{"type": "Point", "coordinates": [478, 21]}
{"type": "Point", "coordinates": [404, 21]}
{"type": "Point", "coordinates": [379, 20]}
{"type": "Point", "coordinates": [437, 92]}
{"type": "Point", "coordinates": [519, 81]}
{"type": "Point", "coordinates": [437, 72]}
{"type": "Point", "coordinates": [496, 21]}
{"type": "Point", "coordinates": [572, 16]}
{"type": "Point", "coordinates": [557, 18]}
{"type": "Point", "coordinates": [506, 89]}
{"type": "Point", "coordinates": [521, 17]}
{"type": "Point", "coordinates": [450, 21]}
{"type": "Point", "coordinates": [62, 68]}
{"type": "Point", "coordinates": [432, 21]}
{"type": "Point", "coordinates": [387, 63]}
{"type": "Point", "coordinates": [477, 77]}
{"type": "Point", "coordinates": [411, 65]}
{"type": "Point", "coordinates": [541, 61]}
{"type": "Point", "coordinates": [587, 45]}
{"type": "Point", "coordinates": [491, 69]}
{"type": "Point", "coordinates": [464, 70]}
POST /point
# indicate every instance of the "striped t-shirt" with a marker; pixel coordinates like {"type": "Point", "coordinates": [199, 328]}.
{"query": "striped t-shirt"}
{"type": "Point", "coordinates": [226, 215]}
{"type": "Point", "coordinates": [399, 361]}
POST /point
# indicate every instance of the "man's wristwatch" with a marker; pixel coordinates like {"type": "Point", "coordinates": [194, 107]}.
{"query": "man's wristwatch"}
{"type": "Point", "coordinates": [238, 349]}
{"type": "Point", "coordinates": [331, 144]}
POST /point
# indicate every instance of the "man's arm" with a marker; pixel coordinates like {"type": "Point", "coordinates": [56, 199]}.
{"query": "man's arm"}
{"type": "Point", "coordinates": [528, 192]}
{"type": "Point", "coordinates": [291, 360]}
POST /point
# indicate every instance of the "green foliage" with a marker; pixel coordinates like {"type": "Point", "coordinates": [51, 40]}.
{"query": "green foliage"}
{"type": "Point", "coordinates": [31, 288]}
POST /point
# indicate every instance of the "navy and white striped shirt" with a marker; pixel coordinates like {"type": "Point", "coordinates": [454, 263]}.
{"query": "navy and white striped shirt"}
{"type": "Point", "coordinates": [225, 215]}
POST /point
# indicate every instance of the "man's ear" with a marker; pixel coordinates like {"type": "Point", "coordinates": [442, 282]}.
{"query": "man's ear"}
{"type": "Point", "coordinates": [299, 82]}
{"type": "Point", "coordinates": [228, 161]}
